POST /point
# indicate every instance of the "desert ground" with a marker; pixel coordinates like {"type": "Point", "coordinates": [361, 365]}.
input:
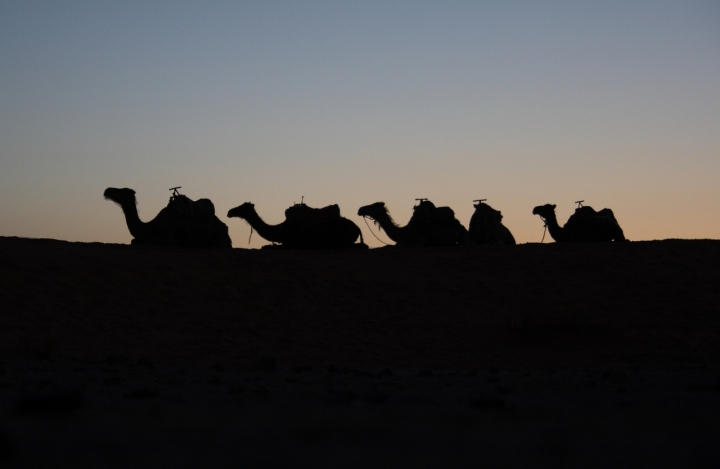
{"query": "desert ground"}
{"type": "Point", "coordinates": [533, 355]}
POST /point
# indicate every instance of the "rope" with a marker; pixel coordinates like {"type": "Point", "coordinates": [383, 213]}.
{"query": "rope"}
{"type": "Point", "coordinates": [544, 231]}
{"type": "Point", "coordinates": [251, 230]}
{"type": "Point", "coordinates": [372, 233]}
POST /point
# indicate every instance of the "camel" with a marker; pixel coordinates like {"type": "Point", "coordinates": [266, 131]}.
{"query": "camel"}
{"type": "Point", "coordinates": [585, 225]}
{"type": "Point", "coordinates": [304, 227]}
{"type": "Point", "coordinates": [182, 223]}
{"type": "Point", "coordinates": [429, 225]}
{"type": "Point", "coordinates": [486, 226]}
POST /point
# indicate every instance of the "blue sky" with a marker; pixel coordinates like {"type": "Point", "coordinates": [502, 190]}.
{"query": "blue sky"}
{"type": "Point", "coordinates": [522, 103]}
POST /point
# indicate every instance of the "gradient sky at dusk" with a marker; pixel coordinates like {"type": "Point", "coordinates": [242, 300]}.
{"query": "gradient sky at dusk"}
{"type": "Point", "coordinates": [523, 103]}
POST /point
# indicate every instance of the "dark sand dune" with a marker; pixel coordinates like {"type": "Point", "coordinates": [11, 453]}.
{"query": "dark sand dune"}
{"type": "Point", "coordinates": [534, 355]}
{"type": "Point", "coordinates": [524, 306]}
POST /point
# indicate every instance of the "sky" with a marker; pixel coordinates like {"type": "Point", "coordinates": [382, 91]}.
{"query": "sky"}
{"type": "Point", "coordinates": [521, 103]}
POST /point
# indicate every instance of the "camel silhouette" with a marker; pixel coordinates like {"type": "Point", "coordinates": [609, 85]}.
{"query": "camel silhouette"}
{"type": "Point", "coordinates": [182, 223]}
{"type": "Point", "coordinates": [304, 227]}
{"type": "Point", "coordinates": [585, 225]}
{"type": "Point", "coordinates": [486, 226]}
{"type": "Point", "coordinates": [428, 226]}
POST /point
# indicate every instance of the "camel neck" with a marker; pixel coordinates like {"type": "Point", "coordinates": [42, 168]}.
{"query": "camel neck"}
{"type": "Point", "coordinates": [393, 231]}
{"type": "Point", "coordinates": [269, 232]}
{"type": "Point", "coordinates": [556, 231]}
{"type": "Point", "coordinates": [135, 225]}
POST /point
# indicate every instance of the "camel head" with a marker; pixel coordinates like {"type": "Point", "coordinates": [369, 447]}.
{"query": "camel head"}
{"type": "Point", "coordinates": [122, 197]}
{"type": "Point", "coordinates": [242, 211]}
{"type": "Point", "coordinates": [545, 211]}
{"type": "Point", "coordinates": [373, 211]}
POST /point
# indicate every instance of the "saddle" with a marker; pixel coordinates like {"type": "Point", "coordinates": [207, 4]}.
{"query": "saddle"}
{"type": "Point", "coordinates": [183, 207]}
{"type": "Point", "coordinates": [587, 214]}
{"type": "Point", "coordinates": [427, 213]}
{"type": "Point", "coordinates": [313, 216]}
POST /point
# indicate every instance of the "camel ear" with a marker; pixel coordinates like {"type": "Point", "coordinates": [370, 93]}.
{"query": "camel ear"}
{"type": "Point", "coordinates": [553, 206]}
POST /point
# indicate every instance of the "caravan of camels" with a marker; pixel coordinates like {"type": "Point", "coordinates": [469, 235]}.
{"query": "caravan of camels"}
{"type": "Point", "coordinates": [189, 223]}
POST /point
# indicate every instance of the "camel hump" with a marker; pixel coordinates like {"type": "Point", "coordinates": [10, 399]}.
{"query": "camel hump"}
{"type": "Point", "coordinates": [331, 211]}
{"type": "Point", "coordinates": [205, 206]}
{"type": "Point", "coordinates": [424, 209]}
{"type": "Point", "coordinates": [182, 205]}
{"type": "Point", "coordinates": [587, 213]}
{"type": "Point", "coordinates": [606, 213]}
{"type": "Point", "coordinates": [306, 214]}
{"type": "Point", "coordinates": [444, 215]}
{"type": "Point", "coordinates": [426, 213]}
{"type": "Point", "coordinates": [607, 216]}
{"type": "Point", "coordinates": [582, 215]}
